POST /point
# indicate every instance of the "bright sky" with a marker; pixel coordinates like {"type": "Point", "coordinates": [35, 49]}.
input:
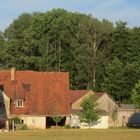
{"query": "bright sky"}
{"type": "Point", "coordinates": [114, 10]}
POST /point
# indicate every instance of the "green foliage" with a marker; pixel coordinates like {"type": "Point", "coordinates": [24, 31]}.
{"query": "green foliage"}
{"type": "Point", "coordinates": [97, 55]}
{"type": "Point", "coordinates": [135, 95]}
{"type": "Point", "coordinates": [114, 115]}
{"type": "Point", "coordinates": [121, 71]}
{"type": "Point", "coordinates": [17, 120]}
{"type": "Point", "coordinates": [57, 118]}
{"type": "Point", "coordinates": [56, 115]}
{"type": "Point", "coordinates": [2, 45]}
{"type": "Point", "coordinates": [67, 126]}
{"type": "Point", "coordinates": [112, 79]}
{"type": "Point", "coordinates": [89, 110]}
{"type": "Point", "coordinates": [24, 127]}
{"type": "Point", "coordinates": [91, 40]}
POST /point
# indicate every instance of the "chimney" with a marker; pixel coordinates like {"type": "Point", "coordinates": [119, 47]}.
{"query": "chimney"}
{"type": "Point", "coordinates": [13, 73]}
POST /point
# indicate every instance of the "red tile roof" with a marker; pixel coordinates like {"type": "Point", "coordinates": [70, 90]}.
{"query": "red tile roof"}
{"type": "Point", "coordinates": [98, 95]}
{"type": "Point", "coordinates": [77, 94]}
{"type": "Point", "coordinates": [44, 93]}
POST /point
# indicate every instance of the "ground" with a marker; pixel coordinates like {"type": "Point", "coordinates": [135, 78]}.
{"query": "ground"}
{"type": "Point", "coordinates": [72, 134]}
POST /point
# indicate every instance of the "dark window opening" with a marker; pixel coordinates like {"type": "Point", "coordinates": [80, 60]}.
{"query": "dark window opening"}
{"type": "Point", "coordinates": [50, 122]}
{"type": "Point", "coordinates": [3, 113]}
{"type": "Point", "coordinates": [2, 124]}
{"type": "Point", "coordinates": [22, 121]}
{"type": "Point", "coordinates": [1, 87]}
{"type": "Point", "coordinates": [70, 105]}
{"type": "Point", "coordinates": [2, 104]}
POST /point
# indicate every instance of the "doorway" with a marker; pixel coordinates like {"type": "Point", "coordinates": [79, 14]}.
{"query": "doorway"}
{"type": "Point", "coordinates": [50, 123]}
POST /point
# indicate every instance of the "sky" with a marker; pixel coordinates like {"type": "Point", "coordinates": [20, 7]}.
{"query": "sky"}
{"type": "Point", "coordinates": [113, 10]}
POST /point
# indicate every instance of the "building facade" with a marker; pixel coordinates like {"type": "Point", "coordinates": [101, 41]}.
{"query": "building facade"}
{"type": "Point", "coordinates": [105, 105]}
{"type": "Point", "coordinates": [34, 96]}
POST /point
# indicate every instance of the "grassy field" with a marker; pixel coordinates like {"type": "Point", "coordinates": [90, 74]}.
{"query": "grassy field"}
{"type": "Point", "coordinates": [72, 134]}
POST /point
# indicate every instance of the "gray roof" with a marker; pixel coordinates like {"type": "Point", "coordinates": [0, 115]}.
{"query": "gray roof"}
{"type": "Point", "coordinates": [126, 106]}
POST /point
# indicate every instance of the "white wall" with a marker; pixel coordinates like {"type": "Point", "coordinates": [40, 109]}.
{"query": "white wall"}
{"type": "Point", "coordinates": [6, 102]}
{"type": "Point", "coordinates": [102, 123]}
{"type": "Point", "coordinates": [75, 121]}
{"type": "Point", "coordinates": [34, 122]}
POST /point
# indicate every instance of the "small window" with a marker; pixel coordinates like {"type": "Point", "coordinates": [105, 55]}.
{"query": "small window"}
{"type": "Point", "coordinates": [19, 103]}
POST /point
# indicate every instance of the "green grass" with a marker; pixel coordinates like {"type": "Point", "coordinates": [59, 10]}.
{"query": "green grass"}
{"type": "Point", "coordinates": [72, 134]}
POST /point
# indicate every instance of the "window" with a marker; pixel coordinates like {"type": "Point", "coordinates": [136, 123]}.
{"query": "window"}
{"type": "Point", "coordinates": [19, 103]}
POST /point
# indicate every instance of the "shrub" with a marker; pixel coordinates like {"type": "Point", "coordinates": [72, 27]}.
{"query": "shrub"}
{"type": "Point", "coordinates": [16, 120]}
{"type": "Point", "coordinates": [67, 126]}
{"type": "Point", "coordinates": [24, 127]}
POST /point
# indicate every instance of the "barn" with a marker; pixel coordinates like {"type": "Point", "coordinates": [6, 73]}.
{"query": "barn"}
{"type": "Point", "coordinates": [34, 97]}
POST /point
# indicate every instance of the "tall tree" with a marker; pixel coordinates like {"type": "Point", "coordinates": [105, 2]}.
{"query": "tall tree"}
{"type": "Point", "coordinates": [2, 45]}
{"type": "Point", "coordinates": [119, 42]}
{"type": "Point", "coordinates": [91, 41]}
{"type": "Point", "coordinates": [113, 79]}
{"type": "Point", "coordinates": [87, 48]}
{"type": "Point", "coordinates": [121, 70]}
{"type": "Point", "coordinates": [15, 45]}
{"type": "Point", "coordinates": [89, 110]}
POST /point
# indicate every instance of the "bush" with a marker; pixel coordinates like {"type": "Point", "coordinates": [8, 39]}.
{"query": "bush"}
{"type": "Point", "coordinates": [24, 127]}
{"type": "Point", "coordinates": [114, 115]}
{"type": "Point", "coordinates": [67, 126]}
{"type": "Point", "coordinates": [16, 120]}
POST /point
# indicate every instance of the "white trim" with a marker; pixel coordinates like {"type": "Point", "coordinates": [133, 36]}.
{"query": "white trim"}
{"type": "Point", "coordinates": [19, 103]}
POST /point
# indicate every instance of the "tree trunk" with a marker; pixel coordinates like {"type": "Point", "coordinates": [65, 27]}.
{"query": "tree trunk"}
{"type": "Point", "coordinates": [90, 124]}
{"type": "Point", "coordinates": [56, 123]}
{"type": "Point", "coordinates": [94, 57]}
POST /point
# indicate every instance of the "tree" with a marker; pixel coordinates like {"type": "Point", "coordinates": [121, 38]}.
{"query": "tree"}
{"type": "Point", "coordinates": [57, 118]}
{"type": "Point", "coordinates": [2, 45]}
{"type": "Point", "coordinates": [91, 41]}
{"type": "Point", "coordinates": [119, 43]}
{"type": "Point", "coordinates": [56, 115]}
{"type": "Point", "coordinates": [14, 50]}
{"type": "Point", "coordinates": [135, 95]}
{"type": "Point", "coordinates": [89, 110]}
{"type": "Point", "coordinates": [113, 79]}
{"type": "Point", "coordinates": [92, 51]}
{"type": "Point", "coordinates": [121, 71]}
{"type": "Point", "coordinates": [119, 79]}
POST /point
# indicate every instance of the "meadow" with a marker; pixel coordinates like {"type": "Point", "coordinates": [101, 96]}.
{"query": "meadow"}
{"type": "Point", "coordinates": [72, 134]}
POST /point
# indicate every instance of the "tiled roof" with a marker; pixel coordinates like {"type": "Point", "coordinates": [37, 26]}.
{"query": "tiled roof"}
{"type": "Point", "coordinates": [98, 95]}
{"type": "Point", "coordinates": [77, 94]}
{"type": "Point", "coordinates": [44, 93]}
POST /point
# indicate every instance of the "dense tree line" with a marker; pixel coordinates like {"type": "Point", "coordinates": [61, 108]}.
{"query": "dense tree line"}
{"type": "Point", "coordinates": [97, 54]}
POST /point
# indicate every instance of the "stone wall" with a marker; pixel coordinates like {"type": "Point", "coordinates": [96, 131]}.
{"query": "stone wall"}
{"type": "Point", "coordinates": [128, 117]}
